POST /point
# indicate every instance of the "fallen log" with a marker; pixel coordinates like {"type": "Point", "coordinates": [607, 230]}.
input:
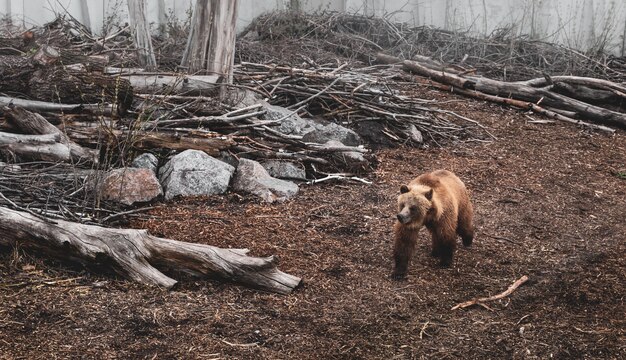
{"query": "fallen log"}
{"type": "Point", "coordinates": [35, 147]}
{"type": "Point", "coordinates": [138, 256]}
{"type": "Point", "coordinates": [43, 106]}
{"type": "Point", "coordinates": [31, 123]}
{"type": "Point", "coordinates": [519, 91]}
{"type": "Point", "coordinates": [167, 83]}
{"type": "Point", "coordinates": [551, 113]}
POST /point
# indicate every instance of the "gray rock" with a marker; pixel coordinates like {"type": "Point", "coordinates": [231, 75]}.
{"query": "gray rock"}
{"type": "Point", "coordinates": [316, 131]}
{"type": "Point", "coordinates": [252, 178]}
{"type": "Point", "coordinates": [244, 98]}
{"type": "Point", "coordinates": [414, 134]}
{"type": "Point", "coordinates": [332, 131]}
{"type": "Point", "coordinates": [285, 169]}
{"type": "Point", "coordinates": [352, 160]}
{"type": "Point", "coordinates": [193, 172]}
{"type": "Point", "coordinates": [146, 161]}
{"type": "Point", "coordinates": [292, 125]}
{"type": "Point", "coordinates": [228, 158]}
{"type": "Point", "coordinates": [130, 185]}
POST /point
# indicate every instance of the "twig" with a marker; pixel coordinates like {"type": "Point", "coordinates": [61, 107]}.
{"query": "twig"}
{"type": "Point", "coordinates": [133, 211]}
{"type": "Point", "coordinates": [314, 96]}
{"type": "Point", "coordinates": [480, 301]}
{"type": "Point", "coordinates": [502, 238]}
{"type": "Point", "coordinates": [339, 177]}
{"type": "Point", "coordinates": [240, 345]}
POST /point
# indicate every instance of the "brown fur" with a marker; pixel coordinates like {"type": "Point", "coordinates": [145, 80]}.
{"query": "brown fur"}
{"type": "Point", "coordinates": [439, 201]}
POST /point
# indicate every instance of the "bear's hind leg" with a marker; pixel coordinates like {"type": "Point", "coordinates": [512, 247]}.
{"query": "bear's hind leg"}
{"type": "Point", "coordinates": [465, 227]}
{"type": "Point", "coordinates": [444, 245]}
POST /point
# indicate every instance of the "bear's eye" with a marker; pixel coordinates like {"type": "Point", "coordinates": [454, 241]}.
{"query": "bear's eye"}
{"type": "Point", "coordinates": [413, 208]}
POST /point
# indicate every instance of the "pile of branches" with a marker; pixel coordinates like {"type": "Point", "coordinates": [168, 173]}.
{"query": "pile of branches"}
{"type": "Point", "coordinates": [55, 190]}
{"type": "Point", "coordinates": [502, 55]}
{"type": "Point", "coordinates": [374, 101]}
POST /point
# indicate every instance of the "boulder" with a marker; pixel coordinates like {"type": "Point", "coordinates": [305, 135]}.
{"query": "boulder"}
{"type": "Point", "coordinates": [252, 178]}
{"type": "Point", "coordinates": [332, 131]}
{"type": "Point", "coordinates": [292, 125]}
{"type": "Point", "coordinates": [285, 169]}
{"type": "Point", "coordinates": [130, 185]}
{"type": "Point", "coordinates": [352, 160]}
{"type": "Point", "coordinates": [193, 172]}
{"type": "Point", "coordinates": [146, 161]}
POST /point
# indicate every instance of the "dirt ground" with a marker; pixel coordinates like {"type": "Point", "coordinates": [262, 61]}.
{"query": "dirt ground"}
{"type": "Point", "coordinates": [550, 204]}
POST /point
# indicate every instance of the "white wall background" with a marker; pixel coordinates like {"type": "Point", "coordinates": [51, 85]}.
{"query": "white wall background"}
{"type": "Point", "coordinates": [581, 24]}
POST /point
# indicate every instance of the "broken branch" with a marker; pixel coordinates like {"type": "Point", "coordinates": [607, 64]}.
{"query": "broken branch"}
{"type": "Point", "coordinates": [481, 301]}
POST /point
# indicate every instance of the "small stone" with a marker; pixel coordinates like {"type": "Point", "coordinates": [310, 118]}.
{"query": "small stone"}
{"type": "Point", "coordinates": [414, 134]}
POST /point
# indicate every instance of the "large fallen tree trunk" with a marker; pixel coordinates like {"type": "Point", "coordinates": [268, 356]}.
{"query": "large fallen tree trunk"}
{"type": "Point", "coordinates": [524, 91]}
{"type": "Point", "coordinates": [35, 147]}
{"type": "Point", "coordinates": [136, 255]}
{"type": "Point", "coordinates": [42, 147]}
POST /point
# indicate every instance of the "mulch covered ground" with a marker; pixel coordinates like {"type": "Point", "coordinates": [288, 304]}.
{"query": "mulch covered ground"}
{"type": "Point", "coordinates": [550, 203]}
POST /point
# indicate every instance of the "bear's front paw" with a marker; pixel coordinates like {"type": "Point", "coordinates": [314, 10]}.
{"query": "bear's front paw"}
{"type": "Point", "coordinates": [396, 276]}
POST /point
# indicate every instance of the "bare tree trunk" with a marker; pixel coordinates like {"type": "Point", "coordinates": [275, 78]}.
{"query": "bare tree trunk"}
{"type": "Point", "coordinates": [211, 43]}
{"type": "Point", "coordinates": [84, 14]}
{"type": "Point", "coordinates": [136, 255]}
{"type": "Point", "coordinates": [141, 32]}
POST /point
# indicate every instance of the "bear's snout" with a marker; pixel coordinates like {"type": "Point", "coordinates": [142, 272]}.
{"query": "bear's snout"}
{"type": "Point", "coordinates": [402, 218]}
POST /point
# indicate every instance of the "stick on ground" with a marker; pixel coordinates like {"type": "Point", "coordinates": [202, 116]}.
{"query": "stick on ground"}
{"type": "Point", "coordinates": [504, 294]}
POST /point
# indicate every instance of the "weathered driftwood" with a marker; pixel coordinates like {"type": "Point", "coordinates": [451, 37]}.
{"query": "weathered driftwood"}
{"type": "Point", "coordinates": [43, 106]}
{"type": "Point", "coordinates": [136, 255]}
{"type": "Point", "coordinates": [35, 147]}
{"type": "Point", "coordinates": [35, 124]}
{"type": "Point", "coordinates": [522, 91]}
{"type": "Point", "coordinates": [168, 83]}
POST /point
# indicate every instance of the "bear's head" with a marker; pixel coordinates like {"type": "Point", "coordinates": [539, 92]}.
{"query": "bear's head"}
{"type": "Point", "coordinates": [415, 205]}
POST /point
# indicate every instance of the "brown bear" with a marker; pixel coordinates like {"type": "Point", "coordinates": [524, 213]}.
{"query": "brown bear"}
{"type": "Point", "coordinates": [439, 201]}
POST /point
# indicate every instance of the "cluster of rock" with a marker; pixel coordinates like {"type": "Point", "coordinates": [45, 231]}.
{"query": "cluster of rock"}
{"type": "Point", "coordinates": [193, 172]}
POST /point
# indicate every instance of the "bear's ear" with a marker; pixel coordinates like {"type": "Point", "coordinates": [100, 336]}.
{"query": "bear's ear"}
{"type": "Point", "coordinates": [429, 194]}
{"type": "Point", "coordinates": [404, 189]}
